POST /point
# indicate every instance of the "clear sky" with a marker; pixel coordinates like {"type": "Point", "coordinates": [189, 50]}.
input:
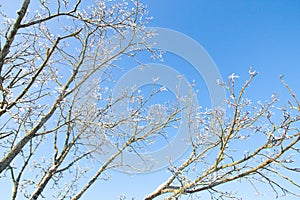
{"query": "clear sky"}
{"type": "Point", "coordinates": [237, 34]}
{"type": "Point", "coordinates": [264, 34]}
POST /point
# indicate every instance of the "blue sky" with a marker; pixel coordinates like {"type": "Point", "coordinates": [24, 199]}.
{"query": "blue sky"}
{"type": "Point", "coordinates": [237, 35]}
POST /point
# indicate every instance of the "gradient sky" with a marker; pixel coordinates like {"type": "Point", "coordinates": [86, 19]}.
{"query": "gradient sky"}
{"type": "Point", "coordinates": [264, 34]}
{"type": "Point", "coordinates": [237, 34]}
